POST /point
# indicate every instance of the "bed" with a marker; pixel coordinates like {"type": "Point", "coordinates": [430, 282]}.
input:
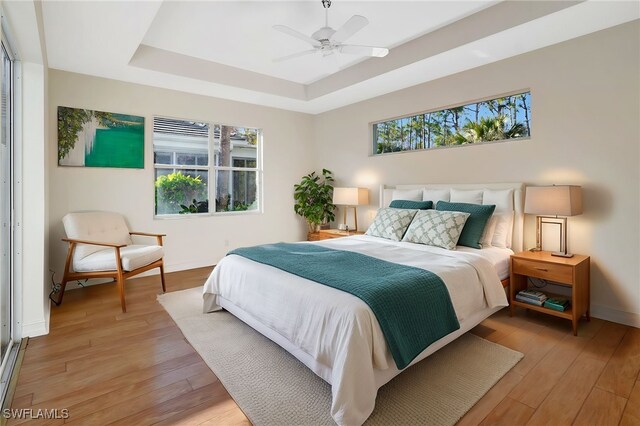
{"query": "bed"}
{"type": "Point", "coordinates": [334, 333]}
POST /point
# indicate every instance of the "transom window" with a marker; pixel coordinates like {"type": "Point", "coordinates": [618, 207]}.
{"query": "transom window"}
{"type": "Point", "coordinates": [507, 117]}
{"type": "Point", "coordinates": [186, 182]}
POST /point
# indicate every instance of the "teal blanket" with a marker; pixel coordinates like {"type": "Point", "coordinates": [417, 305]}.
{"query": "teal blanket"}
{"type": "Point", "coordinates": [412, 305]}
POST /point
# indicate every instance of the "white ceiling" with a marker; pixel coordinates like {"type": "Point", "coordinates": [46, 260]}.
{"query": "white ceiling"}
{"type": "Point", "coordinates": [225, 48]}
{"type": "Point", "coordinates": [240, 34]}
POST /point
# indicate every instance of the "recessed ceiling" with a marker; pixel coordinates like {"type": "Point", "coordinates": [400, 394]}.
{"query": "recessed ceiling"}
{"type": "Point", "coordinates": [240, 34]}
{"type": "Point", "coordinates": [226, 48]}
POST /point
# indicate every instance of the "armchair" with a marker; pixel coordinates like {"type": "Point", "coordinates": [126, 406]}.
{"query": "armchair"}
{"type": "Point", "coordinates": [100, 246]}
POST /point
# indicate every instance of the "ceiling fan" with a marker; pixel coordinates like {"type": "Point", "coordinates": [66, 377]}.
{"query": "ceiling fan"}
{"type": "Point", "coordinates": [328, 41]}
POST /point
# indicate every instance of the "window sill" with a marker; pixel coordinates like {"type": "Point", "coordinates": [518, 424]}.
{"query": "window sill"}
{"type": "Point", "coordinates": [202, 215]}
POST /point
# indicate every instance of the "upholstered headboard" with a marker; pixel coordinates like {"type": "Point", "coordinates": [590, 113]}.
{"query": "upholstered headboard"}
{"type": "Point", "coordinates": [517, 240]}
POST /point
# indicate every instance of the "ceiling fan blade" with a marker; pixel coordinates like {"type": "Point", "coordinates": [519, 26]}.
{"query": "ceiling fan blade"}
{"type": "Point", "coordinates": [296, 34]}
{"type": "Point", "coordinates": [295, 55]}
{"type": "Point", "coordinates": [352, 26]}
{"type": "Point", "coordinates": [351, 49]}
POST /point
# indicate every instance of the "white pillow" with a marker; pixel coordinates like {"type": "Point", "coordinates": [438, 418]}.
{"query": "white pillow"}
{"type": "Point", "coordinates": [436, 228]}
{"type": "Point", "coordinates": [407, 194]}
{"type": "Point", "coordinates": [503, 215]}
{"type": "Point", "coordinates": [473, 196]}
{"type": "Point", "coordinates": [502, 233]}
{"type": "Point", "coordinates": [489, 230]}
{"type": "Point", "coordinates": [435, 195]}
{"type": "Point", "coordinates": [502, 199]}
{"type": "Point", "coordinates": [391, 223]}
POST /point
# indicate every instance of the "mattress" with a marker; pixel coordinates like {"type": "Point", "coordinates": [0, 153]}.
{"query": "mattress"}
{"type": "Point", "coordinates": [498, 257]}
{"type": "Point", "coordinates": [336, 334]}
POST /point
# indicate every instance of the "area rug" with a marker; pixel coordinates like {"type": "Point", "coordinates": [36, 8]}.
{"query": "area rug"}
{"type": "Point", "coordinates": [274, 388]}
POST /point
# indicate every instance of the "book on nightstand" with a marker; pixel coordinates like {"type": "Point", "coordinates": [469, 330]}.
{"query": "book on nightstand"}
{"type": "Point", "coordinates": [557, 303]}
{"type": "Point", "coordinates": [532, 296]}
{"type": "Point", "coordinates": [529, 300]}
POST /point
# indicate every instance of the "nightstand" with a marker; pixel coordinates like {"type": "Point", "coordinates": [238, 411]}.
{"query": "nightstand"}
{"type": "Point", "coordinates": [326, 234]}
{"type": "Point", "coordinates": [571, 272]}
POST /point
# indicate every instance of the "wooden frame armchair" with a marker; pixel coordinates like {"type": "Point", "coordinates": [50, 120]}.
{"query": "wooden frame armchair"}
{"type": "Point", "coordinates": [111, 254]}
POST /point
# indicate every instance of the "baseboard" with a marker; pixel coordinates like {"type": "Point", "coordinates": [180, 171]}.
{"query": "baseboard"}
{"type": "Point", "coordinates": [175, 267]}
{"type": "Point", "coordinates": [35, 329]}
{"type": "Point", "coordinates": [615, 315]}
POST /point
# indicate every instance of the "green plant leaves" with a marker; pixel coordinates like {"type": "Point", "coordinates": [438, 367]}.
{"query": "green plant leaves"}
{"type": "Point", "coordinates": [313, 197]}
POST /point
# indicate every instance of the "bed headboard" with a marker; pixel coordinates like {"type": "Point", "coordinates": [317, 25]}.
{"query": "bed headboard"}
{"type": "Point", "coordinates": [517, 240]}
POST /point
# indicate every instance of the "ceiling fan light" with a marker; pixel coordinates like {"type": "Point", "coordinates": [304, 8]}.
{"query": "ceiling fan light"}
{"type": "Point", "coordinates": [379, 52]}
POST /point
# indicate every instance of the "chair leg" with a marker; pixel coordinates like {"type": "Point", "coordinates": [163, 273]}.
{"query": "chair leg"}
{"type": "Point", "coordinates": [57, 298]}
{"type": "Point", "coordinates": [120, 281]}
{"type": "Point", "coordinates": [164, 287]}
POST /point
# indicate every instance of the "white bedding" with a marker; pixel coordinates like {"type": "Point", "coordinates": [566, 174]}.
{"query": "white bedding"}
{"type": "Point", "coordinates": [499, 258]}
{"type": "Point", "coordinates": [335, 333]}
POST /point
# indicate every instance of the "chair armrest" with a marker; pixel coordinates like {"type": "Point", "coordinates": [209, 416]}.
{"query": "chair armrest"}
{"type": "Point", "coordinates": [146, 234]}
{"type": "Point", "coordinates": [93, 243]}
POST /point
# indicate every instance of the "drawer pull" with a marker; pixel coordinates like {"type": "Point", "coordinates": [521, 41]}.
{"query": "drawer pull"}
{"type": "Point", "coordinates": [542, 269]}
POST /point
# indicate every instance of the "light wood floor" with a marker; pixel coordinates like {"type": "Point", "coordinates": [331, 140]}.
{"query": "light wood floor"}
{"type": "Point", "coordinates": [136, 368]}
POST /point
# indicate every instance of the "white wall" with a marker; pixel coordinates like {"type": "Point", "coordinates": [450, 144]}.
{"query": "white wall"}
{"type": "Point", "coordinates": [191, 241]}
{"type": "Point", "coordinates": [35, 292]}
{"type": "Point", "coordinates": [585, 131]}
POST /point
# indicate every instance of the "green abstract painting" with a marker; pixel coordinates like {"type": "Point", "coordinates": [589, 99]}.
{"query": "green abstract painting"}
{"type": "Point", "coordinates": [89, 138]}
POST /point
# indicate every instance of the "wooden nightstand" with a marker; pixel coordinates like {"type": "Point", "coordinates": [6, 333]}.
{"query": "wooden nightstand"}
{"type": "Point", "coordinates": [572, 272]}
{"type": "Point", "coordinates": [326, 234]}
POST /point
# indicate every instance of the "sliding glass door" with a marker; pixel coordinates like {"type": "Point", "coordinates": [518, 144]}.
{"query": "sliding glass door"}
{"type": "Point", "coordinates": [6, 202]}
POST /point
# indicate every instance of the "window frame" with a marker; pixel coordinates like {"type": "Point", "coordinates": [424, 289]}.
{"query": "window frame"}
{"type": "Point", "coordinates": [373, 143]}
{"type": "Point", "coordinates": [212, 170]}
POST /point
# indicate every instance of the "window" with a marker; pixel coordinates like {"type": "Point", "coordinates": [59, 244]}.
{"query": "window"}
{"type": "Point", "coordinates": [10, 211]}
{"type": "Point", "coordinates": [186, 182]}
{"type": "Point", "coordinates": [496, 119]}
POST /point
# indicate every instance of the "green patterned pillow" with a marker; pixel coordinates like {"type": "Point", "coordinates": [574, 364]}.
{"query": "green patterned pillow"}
{"type": "Point", "coordinates": [472, 232]}
{"type": "Point", "coordinates": [391, 223]}
{"type": "Point", "coordinates": [436, 228]}
{"type": "Point", "coordinates": [409, 204]}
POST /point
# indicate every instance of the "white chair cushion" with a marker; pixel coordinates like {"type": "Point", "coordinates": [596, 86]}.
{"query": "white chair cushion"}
{"type": "Point", "coordinates": [102, 227]}
{"type": "Point", "coordinates": [133, 257]}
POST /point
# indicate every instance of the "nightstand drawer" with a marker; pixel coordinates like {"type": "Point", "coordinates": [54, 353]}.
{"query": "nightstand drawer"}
{"type": "Point", "coordinates": [547, 271]}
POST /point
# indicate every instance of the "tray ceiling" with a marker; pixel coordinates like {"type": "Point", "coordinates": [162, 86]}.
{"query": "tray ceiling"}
{"type": "Point", "coordinates": [226, 48]}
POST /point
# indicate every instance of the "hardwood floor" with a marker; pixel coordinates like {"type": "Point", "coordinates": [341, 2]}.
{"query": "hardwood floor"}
{"type": "Point", "coordinates": [136, 368]}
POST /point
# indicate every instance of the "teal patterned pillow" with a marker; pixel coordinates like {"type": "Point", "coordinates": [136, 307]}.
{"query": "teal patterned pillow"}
{"type": "Point", "coordinates": [480, 214]}
{"type": "Point", "coordinates": [391, 223]}
{"type": "Point", "coordinates": [409, 204]}
{"type": "Point", "coordinates": [436, 228]}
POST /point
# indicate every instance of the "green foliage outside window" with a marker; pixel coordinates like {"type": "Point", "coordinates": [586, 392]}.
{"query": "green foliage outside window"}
{"type": "Point", "coordinates": [496, 119]}
{"type": "Point", "coordinates": [175, 190]}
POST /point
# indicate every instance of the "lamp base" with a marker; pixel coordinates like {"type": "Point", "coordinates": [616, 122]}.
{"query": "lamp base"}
{"type": "Point", "coordinates": [561, 254]}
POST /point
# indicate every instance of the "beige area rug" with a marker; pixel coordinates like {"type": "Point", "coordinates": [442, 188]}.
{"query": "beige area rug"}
{"type": "Point", "coordinates": [274, 388]}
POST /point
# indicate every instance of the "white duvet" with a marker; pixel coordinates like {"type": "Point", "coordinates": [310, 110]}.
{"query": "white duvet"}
{"type": "Point", "coordinates": [335, 333]}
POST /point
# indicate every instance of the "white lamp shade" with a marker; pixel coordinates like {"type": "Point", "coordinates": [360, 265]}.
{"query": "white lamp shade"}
{"type": "Point", "coordinates": [350, 196]}
{"type": "Point", "coordinates": [557, 200]}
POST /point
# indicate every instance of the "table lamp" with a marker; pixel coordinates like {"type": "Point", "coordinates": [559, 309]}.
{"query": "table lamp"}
{"type": "Point", "coordinates": [558, 202]}
{"type": "Point", "coordinates": [350, 197]}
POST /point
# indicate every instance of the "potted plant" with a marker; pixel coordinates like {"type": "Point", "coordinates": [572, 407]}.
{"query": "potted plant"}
{"type": "Point", "coordinates": [314, 199]}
